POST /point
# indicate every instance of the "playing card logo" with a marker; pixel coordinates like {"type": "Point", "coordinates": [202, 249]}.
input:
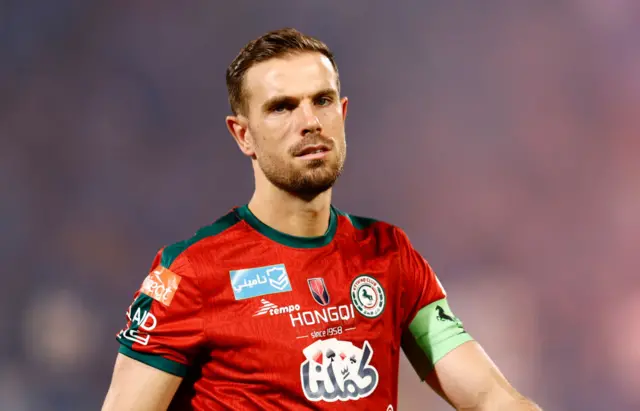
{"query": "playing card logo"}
{"type": "Point", "coordinates": [319, 290]}
{"type": "Point", "coordinates": [337, 370]}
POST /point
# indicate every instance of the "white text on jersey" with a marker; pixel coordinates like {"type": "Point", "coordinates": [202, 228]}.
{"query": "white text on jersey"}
{"type": "Point", "coordinates": [326, 315]}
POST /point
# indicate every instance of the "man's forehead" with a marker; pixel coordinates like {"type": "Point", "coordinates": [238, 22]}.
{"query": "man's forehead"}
{"type": "Point", "coordinates": [298, 74]}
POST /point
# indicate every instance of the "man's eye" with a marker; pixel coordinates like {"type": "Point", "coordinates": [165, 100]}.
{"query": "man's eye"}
{"type": "Point", "coordinates": [323, 101]}
{"type": "Point", "coordinates": [281, 108]}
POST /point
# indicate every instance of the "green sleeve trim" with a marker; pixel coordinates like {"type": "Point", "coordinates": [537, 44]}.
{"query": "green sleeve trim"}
{"type": "Point", "coordinates": [155, 361]}
{"type": "Point", "coordinates": [437, 331]}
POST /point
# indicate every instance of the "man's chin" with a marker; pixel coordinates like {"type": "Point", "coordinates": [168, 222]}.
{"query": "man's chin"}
{"type": "Point", "coordinates": [311, 185]}
{"type": "Point", "coordinates": [311, 178]}
{"type": "Point", "coordinates": [326, 163]}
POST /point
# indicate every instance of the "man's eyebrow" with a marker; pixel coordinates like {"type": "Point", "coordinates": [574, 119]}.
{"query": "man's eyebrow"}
{"type": "Point", "coordinates": [325, 92]}
{"type": "Point", "coordinates": [278, 100]}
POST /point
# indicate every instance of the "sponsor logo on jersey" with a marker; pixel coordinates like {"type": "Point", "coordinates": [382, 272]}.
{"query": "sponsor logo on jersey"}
{"type": "Point", "coordinates": [331, 314]}
{"type": "Point", "coordinates": [142, 323]}
{"type": "Point", "coordinates": [336, 370]}
{"type": "Point", "coordinates": [254, 282]}
{"type": "Point", "coordinates": [368, 296]}
{"type": "Point", "coordinates": [270, 308]}
{"type": "Point", "coordinates": [161, 285]}
{"type": "Point", "coordinates": [319, 290]}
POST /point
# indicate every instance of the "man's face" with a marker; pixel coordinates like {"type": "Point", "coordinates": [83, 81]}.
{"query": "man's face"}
{"type": "Point", "coordinates": [296, 122]}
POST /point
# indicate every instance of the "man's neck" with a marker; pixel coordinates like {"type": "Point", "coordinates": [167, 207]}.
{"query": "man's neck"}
{"type": "Point", "coordinates": [292, 215]}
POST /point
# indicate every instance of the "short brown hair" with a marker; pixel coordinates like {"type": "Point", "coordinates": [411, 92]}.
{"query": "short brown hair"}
{"type": "Point", "coordinates": [273, 44]}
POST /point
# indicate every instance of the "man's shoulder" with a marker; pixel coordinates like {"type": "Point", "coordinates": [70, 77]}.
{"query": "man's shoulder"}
{"type": "Point", "coordinates": [214, 230]}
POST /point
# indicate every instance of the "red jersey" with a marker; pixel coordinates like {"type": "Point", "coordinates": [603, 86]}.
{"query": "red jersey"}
{"type": "Point", "coordinates": [255, 319]}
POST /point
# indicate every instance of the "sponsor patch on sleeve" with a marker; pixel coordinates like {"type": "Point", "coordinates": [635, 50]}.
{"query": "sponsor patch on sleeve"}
{"type": "Point", "coordinates": [161, 284]}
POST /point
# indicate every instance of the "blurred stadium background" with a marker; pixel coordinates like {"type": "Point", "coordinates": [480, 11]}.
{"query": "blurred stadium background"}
{"type": "Point", "coordinates": [504, 136]}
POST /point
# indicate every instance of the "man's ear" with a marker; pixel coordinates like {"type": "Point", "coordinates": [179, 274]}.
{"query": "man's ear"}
{"type": "Point", "coordinates": [238, 126]}
{"type": "Point", "coordinates": [344, 101]}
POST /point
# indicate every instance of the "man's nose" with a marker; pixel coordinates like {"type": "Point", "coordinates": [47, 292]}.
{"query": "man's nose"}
{"type": "Point", "coordinates": [311, 122]}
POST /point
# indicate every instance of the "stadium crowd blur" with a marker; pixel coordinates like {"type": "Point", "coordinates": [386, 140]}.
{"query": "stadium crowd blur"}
{"type": "Point", "coordinates": [503, 136]}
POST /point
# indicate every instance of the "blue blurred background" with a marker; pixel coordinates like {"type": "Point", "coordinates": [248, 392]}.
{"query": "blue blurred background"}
{"type": "Point", "coordinates": [503, 136]}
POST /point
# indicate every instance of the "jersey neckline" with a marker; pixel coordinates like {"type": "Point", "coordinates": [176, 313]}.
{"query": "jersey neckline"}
{"type": "Point", "coordinates": [286, 239]}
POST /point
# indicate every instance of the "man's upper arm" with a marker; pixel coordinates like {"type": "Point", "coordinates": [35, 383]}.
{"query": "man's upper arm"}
{"type": "Point", "coordinates": [164, 331]}
{"type": "Point", "coordinates": [431, 330]}
{"type": "Point", "coordinates": [136, 386]}
{"type": "Point", "coordinates": [442, 352]}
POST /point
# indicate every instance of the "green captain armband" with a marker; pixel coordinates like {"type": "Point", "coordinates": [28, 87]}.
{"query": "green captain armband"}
{"type": "Point", "coordinates": [436, 332]}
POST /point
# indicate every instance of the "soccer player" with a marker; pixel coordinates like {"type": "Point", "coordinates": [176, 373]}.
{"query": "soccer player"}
{"type": "Point", "coordinates": [287, 303]}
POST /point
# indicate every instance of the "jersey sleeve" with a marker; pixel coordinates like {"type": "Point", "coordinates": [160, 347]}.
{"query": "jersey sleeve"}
{"type": "Point", "coordinates": [430, 329]}
{"type": "Point", "coordinates": [165, 325]}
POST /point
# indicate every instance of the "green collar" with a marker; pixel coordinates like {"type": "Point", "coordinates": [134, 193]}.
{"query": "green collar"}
{"type": "Point", "coordinates": [286, 239]}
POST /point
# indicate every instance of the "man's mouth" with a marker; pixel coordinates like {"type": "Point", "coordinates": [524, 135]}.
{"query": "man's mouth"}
{"type": "Point", "coordinates": [313, 152]}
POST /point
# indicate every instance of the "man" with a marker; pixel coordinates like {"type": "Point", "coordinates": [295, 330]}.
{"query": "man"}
{"type": "Point", "coordinates": [287, 303]}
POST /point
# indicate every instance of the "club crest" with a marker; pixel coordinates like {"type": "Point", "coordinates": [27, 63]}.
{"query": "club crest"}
{"type": "Point", "coordinates": [368, 296]}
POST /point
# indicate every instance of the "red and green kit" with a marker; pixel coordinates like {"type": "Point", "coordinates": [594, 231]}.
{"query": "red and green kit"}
{"type": "Point", "coordinates": [255, 319]}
